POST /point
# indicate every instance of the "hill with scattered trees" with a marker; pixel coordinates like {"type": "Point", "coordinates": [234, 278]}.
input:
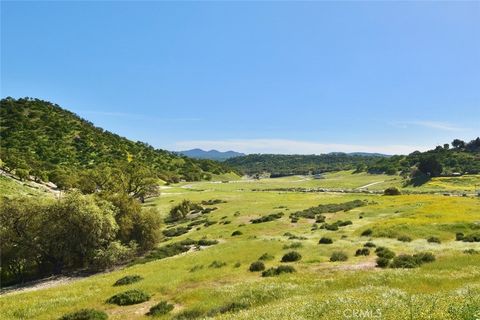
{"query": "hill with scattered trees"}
{"type": "Point", "coordinates": [40, 139]}
{"type": "Point", "coordinates": [456, 159]}
{"type": "Point", "coordinates": [284, 165]}
{"type": "Point", "coordinates": [459, 158]}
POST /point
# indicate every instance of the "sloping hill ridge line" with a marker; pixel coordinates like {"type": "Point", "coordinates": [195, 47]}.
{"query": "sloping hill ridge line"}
{"type": "Point", "coordinates": [41, 139]}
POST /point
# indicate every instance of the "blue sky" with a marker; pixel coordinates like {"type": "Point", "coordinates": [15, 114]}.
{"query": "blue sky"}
{"type": "Point", "coordinates": [280, 77]}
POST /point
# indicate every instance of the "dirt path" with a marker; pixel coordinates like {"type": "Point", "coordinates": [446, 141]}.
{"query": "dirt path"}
{"type": "Point", "coordinates": [370, 184]}
{"type": "Point", "coordinates": [39, 285]}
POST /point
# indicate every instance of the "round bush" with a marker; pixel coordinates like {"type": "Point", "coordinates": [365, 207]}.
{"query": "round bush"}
{"type": "Point", "coordinates": [160, 309]}
{"type": "Point", "coordinates": [338, 256]}
{"type": "Point", "coordinates": [383, 262]}
{"type": "Point", "coordinates": [383, 252]}
{"type": "Point", "coordinates": [392, 191]}
{"type": "Point", "coordinates": [85, 314]}
{"type": "Point", "coordinates": [367, 233]}
{"type": "Point", "coordinates": [291, 256]}
{"type": "Point", "coordinates": [325, 240]}
{"type": "Point", "coordinates": [434, 240]}
{"type": "Point", "coordinates": [362, 252]}
{"type": "Point", "coordinates": [278, 271]}
{"type": "Point", "coordinates": [404, 261]}
{"type": "Point", "coordinates": [129, 297]}
{"type": "Point", "coordinates": [257, 266]}
{"type": "Point", "coordinates": [369, 245]}
{"type": "Point", "coordinates": [236, 233]}
{"type": "Point", "coordinates": [128, 280]}
{"type": "Point", "coordinates": [424, 257]}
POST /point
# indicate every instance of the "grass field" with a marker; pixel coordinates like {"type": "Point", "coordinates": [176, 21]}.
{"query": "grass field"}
{"type": "Point", "coordinates": [448, 288]}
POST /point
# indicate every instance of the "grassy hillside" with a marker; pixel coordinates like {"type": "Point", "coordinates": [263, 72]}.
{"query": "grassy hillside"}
{"type": "Point", "coordinates": [215, 281]}
{"type": "Point", "coordinates": [39, 138]}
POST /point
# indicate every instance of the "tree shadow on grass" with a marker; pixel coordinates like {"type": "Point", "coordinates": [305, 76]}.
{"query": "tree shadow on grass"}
{"type": "Point", "coordinates": [418, 181]}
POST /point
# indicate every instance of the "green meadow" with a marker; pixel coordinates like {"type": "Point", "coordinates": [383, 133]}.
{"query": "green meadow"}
{"type": "Point", "coordinates": [214, 282]}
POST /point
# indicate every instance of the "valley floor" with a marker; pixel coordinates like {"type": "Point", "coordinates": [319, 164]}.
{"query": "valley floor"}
{"type": "Point", "coordinates": [215, 282]}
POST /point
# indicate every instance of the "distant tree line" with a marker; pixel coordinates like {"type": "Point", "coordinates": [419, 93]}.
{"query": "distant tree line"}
{"type": "Point", "coordinates": [462, 157]}
{"type": "Point", "coordinates": [283, 165]}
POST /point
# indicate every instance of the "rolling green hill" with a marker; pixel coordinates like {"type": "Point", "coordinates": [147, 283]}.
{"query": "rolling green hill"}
{"type": "Point", "coordinates": [444, 160]}
{"type": "Point", "coordinates": [40, 138]}
{"type": "Point", "coordinates": [284, 165]}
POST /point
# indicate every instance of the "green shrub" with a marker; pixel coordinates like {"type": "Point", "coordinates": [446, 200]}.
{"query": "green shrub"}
{"type": "Point", "coordinates": [128, 280]}
{"type": "Point", "coordinates": [325, 240]}
{"type": "Point", "coordinates": [166, 251]}
{"type": "Point", "coordinates": [471, 251]}
{"type": "Point", "coordinates": [367, 233]}
{"type": "Point", "coordinates": [404, 239]}
{"type": "Point", "coordinates": [212, 202]}
{"type": "Point", "coordinates": [362, 252]}
{"type": "Point", "coordinates": [459, 236]}
{"type": "Point", "coordinates": [383, 262]}
{"type": "Point", "coordinates": [160, 309]}
{"type": "Point", "coordinates": [294, 245]}
{"type": "Point", "coordinates": [316, 212]}
{"type": "Point", "coordinates": [209, 223]}
{"type": "Point", "coordinates": [257, 266]}
{"type": "Point", "coordinates": [369, 245]}
{"type": "Point", "coordinates": [175, 232]}
{"type": "Point", "coordinates": [383, 252]}
{"type": "Point", "coordinates": [229, 307]}
{"type": "Point", "coordinates": [85, 314]}
{"type": "Point", "coordinates": [278, 271]}
{"type": "Point", "coordinates": [206, 242]}
{"type": "Point", "coordinates": [330, 227]}
{"type": "Point", "coordinates": [189, 314]}
{"type": "Point", "coordinates": [424, 257]}
{"type": "Point", "coordinates": [115, 253]}
{"type": "Point", "coordinates": [180, 211]}
{"type": "Point", "coordinates": [237, 265]}
{"type": "Point", "coordinates": [404, 261]}
{"type": "Point", "coordinates": [408, 261]}
{"type": "Point", "coordinates": [343, 223]}
{"type": "Point", "coordinates": [129, 297]}
{"type": "Point", "coordinates": [291, 256]}
{"type": "Point", "coordinates": [434, 240]}
{"type": "Point", "coordinates": [217, 264]}
{"type": "Point", "coordinates": [236, 233]}
{"type": "Point", "coordinates": [392, 191]}
{"type": "Point", "coordinates": [473, 237]}
{"type": "Point", "coordinates": [266, 257]}
{"type": "Point", "coordinates": [294, 237]}
{"type": "Point", "coordinates": [270, 217]}
{"type": "Point", "coordinates": [338, 256]}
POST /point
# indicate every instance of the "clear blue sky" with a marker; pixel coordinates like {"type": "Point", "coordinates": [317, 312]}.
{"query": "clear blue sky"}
{"type": "Point", "coordinates": [284, 77]}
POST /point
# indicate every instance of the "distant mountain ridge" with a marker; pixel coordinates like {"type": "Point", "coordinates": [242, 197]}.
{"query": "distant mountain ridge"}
{"type": "Point", "coordinates": [211, 154]}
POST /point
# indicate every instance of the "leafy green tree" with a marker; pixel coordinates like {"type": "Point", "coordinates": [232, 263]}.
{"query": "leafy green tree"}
{"type": "Point", "coordinates": [430, 166]}
{"type": "Point", "coordinates": [458, 144]}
